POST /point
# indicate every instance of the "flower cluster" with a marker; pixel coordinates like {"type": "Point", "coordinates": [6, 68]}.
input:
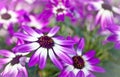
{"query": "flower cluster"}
{"type": "Point", "coordinates": [41, 30]}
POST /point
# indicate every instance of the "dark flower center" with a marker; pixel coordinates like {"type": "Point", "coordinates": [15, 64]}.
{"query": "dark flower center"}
{"type": "Point", "coordinates": [106, 7]}
{"type": "Point", "coordinates": [46, 42]}
{"type": "Point", "coordinates": [78, 62]}
{"type": "Point", "coordinates": [60, 10]}
{"type": "Point", "coordinates": [6, 16]}
{"type": "Point", "coordinates": [15, 60]}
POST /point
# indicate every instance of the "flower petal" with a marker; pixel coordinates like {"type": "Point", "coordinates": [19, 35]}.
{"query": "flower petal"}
{"type": "Point", "coordinates": [80, 47]}
{"type": "Point", "coordinates": [94, 61]}
{"type": "Point", "coordinates": [31, 32]}
{"type": "Point", "coordinates": [5, 60]}
{"type": "Point", "coordinates": [6, 53]}
{"type": "Point", "coordinates": [35, 57]}
{"type": "Point", "coordinates": [27, 47]}
{"type": "Point", "coordinates": [22, 72]}
{"type": "Point", "coordinates": [25, 37]}
{"type": "Point", "coordinates": [42, 58]}
{"type": "Point", "coordinates": [53, 31]}
{"type": "Point", "coordinates": [62, 56]}
{"type": "Point", "coordinates": [71, 74]}
{"type": "Point", "coordinates": [65, 49]}
{"type": "Point", "coordinates": [96, 69]}
{"type": "Point", "coordinates": [113, 38]}
{"type": "Point", "coordinates": [63, 42]}
{"type": "Point", "coordinates": [66, 71]}
{"type": "Point", "coordinates": [88, 55]}
{"type": "Point", "coordinates": [80, 74]}
{"type": "Point", "coordinates": [55, 60]}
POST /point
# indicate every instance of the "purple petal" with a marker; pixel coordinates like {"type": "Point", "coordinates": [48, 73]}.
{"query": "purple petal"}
{"type": "Point", "coordinates": [117, 45]}
{"type": "Point", "coordinates": [96, 69]}
{"type": "Point", "coordinates": [65, 49]}
{"type": "Point", "coordinates": [27, 47]}
{"type": "Point", "coordinates": [55, 60]}
{"type": "Point", "coordinates": [53, 31]}
{"type": "Point", "coordinates": [114, 29]}
{"type": "Point", "coordinates": [31, 32]}
{"type": "Point", "coordinates": [80, 74]}
{"type": "Point", "coordinates": [25, 37]}
{"type": "Point", "coordinates": [91, 75]}
{"type": "Point", "coordinates": [98, 16]}
{"type": "Point", "coordinates": [22, 72]}
{"type": "Point", "coordinates": [60, 17]}
{"type": "Point", "coordinates": [113, 38]}
{"type": "Point", "coordinates": [88, 55]}
{"type": "Point", "coordinates": [63, 42]}
{"type": "Point", "coordinates": [71, 74]}
{"type": "Point", "coordinates": [6, 53]}
{"type": "Point", "coordinates": [80, 47]}
{"type": "Point", "coordinates": [35, 58]}
{"type": "Point", "coordinates": [94, 61]}
{"type": "Point", "coordinates": [62, 56]}
{"type": "Point", "coordinates": [42, 58]}
{"type": "Point", "coordinates": [5, 60]}
{"type": "Point", "coordinates": [65, 72]}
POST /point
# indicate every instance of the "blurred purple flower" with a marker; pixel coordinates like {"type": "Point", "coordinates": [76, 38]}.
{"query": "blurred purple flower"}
{"type": "Point", "coordinates": [13, 64]}
{"type": "Point", "coordinates": [115, 36]}
{"type": "Point", "coordinates": [44, 44]}
{"type": "Point", "coordinates": [105, 12]}
{"type": "Point", "coordinates": [82, 65]}
{"type": "Point", "coordinates": [59, 8]}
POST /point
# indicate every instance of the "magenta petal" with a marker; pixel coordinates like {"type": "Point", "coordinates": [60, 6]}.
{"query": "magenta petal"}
{"type": "Point", "coordinates": [55, 60]}
{"type": "Point", "coordinates": [80, 47]}
{"type": "Point", "coordinates": [64, 73]}
{"type": "Point", "coordinates": [6, 53]}
{"type": "Point", "coordinates": [42, 58]}
{"type": "Point", "coordinates": [63, 42]}
{"type": "Point", "coordinates": [35, 58]}
{"type": "Point", "coordinates": [91, 75]}
{"type": "Point", "coordinates": [27, 47]}
{"type": "Point", "coordinates": [22, 72]}
{"type": "Point", "coordinates": [31, 32]}
{"type": "Point", "coordinates": [62, 56]}
{"type": "Point", "coordinates": [53, 31]}
{"type": "Point", "coordinates": [60, 17]}
{"type": "Point", "coordinates": [94, 61]}
{"type": "Point", "coordinates": [81, 44]}
{"type": "Point", "coordinates": [66, 50]}
{"type": "Point", "coordinates": [117, 45]}
{"type": "Point", "coordinates": [88, 55]}
{"type": "Point", "coordinates": [114, 28]}
{"type": "Point", "coordinates": [80, 74]}
{"type": "Point", "coordinates": [97, 69]}
{"type": "Point", "coordinates": [71, 74]}
{"type": "Point", "coordinates": [25, 37]}
{"type": "Point", "coordinates": [4, 60]}
{"type": "Point", "coordinates": [113, 38]}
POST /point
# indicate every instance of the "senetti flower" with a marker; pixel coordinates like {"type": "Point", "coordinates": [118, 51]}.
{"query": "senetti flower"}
{"type": "Point", "coordinates": [115, 35]}
{"type": "Point", "coordinates": [13, 64]}
{"type": "Point", "coordinates": [7, 17]}
{"type": "Point", "coordinates": [44, 44]}
{"type": "Point", "coordinates": [105, 12]}
{"type": "Point", "coordinates": [82, 65]}
{"type": "Point", "coordinates": [59, 8]}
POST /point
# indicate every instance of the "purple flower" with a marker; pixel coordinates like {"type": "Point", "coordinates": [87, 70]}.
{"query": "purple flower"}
{"type": "Point", "coordinates": [14, 64]}
{"type": "Point", "coordinates": [105, 12]}
{"type": "Point", "coordinates": [115, 36]}
{"type": "Point", "coordinates": [43, 44]}
{"type": "Point", "coordinates": [59, 8]}
{"type": "Point", "coordinates": [82, 65]}
{"type": "Point", "coordinates": [7, 17]}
